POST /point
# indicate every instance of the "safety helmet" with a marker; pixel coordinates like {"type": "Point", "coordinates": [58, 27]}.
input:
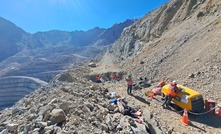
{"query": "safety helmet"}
{"type": "Point", "coordinates": [174, 82]}
{"type": "Point", "coordinates": [162, 83]}
{"type": "Point", "coordinates": [129, 75]}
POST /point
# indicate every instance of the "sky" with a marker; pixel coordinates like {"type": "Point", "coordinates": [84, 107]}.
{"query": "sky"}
{"type": "Point", "coordinates": [69, 15]}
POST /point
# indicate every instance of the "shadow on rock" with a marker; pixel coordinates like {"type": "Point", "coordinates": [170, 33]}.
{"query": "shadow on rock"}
{"type": "Point", "coordinates": [141, 99]}
{"type": "Point", "coordinates": [207, 119]}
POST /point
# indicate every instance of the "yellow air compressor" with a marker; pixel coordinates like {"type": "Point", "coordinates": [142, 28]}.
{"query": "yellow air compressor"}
{"type": "Point", "coordinates": [186, 98]}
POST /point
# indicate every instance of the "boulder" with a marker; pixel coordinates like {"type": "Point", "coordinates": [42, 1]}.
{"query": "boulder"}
{"type": "Point", "coordinates": [119, 128]}
{"type": "Point", "coordinates": [65, 105]}
{"type": "Point", "coordinates": [35, 131]}
{"type": "Point", "coordinates": [140, 129]}
{"type": "Point", "coordinates": [24, 129]}
{"type": "Point", "coordinates": [44, 109]}
{"type": "Point", "coordinates": [85, 109]}
{"type": "Point", "coordinates": [76, 122]}
{"type": "Point", "coordinates": [57, 116]}
{"type": "Point", "coordinates": [104, 127]}
{"type": "Point", "coordinates": [12, 128]}
{"type": "Point", "coordinates": [94, 87]}
{"type": "Point", "coordinates": [48, 129]}
{"type": "Point", "coordinates": [66, 77]}
{"type": "Point", "coordinates": [124, 122]}
{"type": "Point", "coordinates": [111, 107]}
{"type": "Point", "coordinates": [89, 105]}
{"type": "Point", "coordinates": [42, 124]}
{"type": "Point", "coordinates": [17, 111]}
{"type": "Point", "coordinates": [92, 64]}
{"type": "Point", "coordinates": [57, 130]}
{"type": "Point", "coordinates": [109, 122]}
{"type": "Point", "coordinates": [31, 117]}
{"type": "Point", "coordinates": [46, 116]}
{"type": "Point", "coordinates": [27, 101]}
{"type": "Point", "coordinates": [5, 131]}
{"type": "Point", "coordinates": [132, 122]}
{"type": "Point", "coordinates": [32, 110]}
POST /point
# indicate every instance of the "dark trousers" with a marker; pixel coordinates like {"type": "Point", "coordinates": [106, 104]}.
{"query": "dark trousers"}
{"type": "Point", "coordinates": [129, 89]}
{"type": "Point", "coordinates": [167, 100]}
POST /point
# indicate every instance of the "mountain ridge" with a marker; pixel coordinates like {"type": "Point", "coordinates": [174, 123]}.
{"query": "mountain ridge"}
{"type": "Point", "coordinates": [23, 40]}
{"type": "Point", "coordinates": [45, 54]}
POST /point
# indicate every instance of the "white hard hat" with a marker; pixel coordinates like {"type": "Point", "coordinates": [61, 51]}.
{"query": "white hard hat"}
{"type": "Point", "coordinates": [175, 82]}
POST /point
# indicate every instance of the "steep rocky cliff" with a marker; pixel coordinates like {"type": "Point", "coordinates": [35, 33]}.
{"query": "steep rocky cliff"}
{"type": "Point", "coordinates": [155, 23]}
{"type": "Point", "coordinates": [179, 40]}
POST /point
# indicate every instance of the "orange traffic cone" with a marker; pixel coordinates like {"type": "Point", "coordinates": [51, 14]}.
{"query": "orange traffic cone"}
{"type": "Point", "coordinates": [185, 119]}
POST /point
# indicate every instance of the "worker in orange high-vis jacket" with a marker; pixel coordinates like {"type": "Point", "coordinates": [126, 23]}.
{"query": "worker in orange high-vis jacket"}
{"type": "Point", "coordinates": [114, 77]}
{"type": "Point", "coordinates": [129, 83]}
{"type": "Point", "coordinates": [98, 78]}
{"type": "Point", "coordinates": [171, 93]}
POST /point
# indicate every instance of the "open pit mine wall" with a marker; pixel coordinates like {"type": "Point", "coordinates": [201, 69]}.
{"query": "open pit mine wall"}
{"type": "Point", "coordinates": [13, 88]}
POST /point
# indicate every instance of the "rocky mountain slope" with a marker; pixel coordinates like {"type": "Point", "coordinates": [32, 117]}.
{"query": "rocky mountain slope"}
{"type": "Point", "coordinates": [179, 40]}
{"type": "Point", "coordinates": [43, 55]}
{"type": "Point", "coordinates": [9, 36]}
{"type": "Point", "coordinates": [14, 39]}
{"type": "Point", "coordinates": [59, 49]}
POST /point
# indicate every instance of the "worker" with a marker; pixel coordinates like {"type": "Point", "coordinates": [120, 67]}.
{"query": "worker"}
{"type": "Point", "coordinates": [144, 83]}
{"type": "Point", "coordinates": [171, 93]}
{"type": "Point", "coordinates": [129, 83]}
{"type": "Point", "coordinates": [173, 85]}
{"type": "Point", "coordinates": [114, 77]}
{"type": "Point", "coordinates": [161, 84]}
{"type": "Point", "coordinates": [118, 78]}
{"type": "Point", "coordinates": [141, 80]}
{"type": "Point", "coordinates": [98, 78]}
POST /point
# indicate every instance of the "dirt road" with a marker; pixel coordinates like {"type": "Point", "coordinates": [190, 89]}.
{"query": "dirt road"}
{"type": "Point", "coordinates": [106, 65]}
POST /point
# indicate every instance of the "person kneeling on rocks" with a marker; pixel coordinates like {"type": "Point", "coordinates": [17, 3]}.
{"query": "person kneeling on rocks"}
{"type": "Point", "coordinates": [171, 93]}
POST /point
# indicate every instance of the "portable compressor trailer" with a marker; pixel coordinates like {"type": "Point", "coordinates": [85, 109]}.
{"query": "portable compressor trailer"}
{"type": "Point", "coordinates": [186, 98]}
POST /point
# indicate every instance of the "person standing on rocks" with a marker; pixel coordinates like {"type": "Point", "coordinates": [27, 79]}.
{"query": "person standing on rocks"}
{"type": "Point", "coordinates": [129, 83]}
{"type": "Point", "coordinates": [98, 78]}
{"type": "Point", "coordinates": [114, 77]}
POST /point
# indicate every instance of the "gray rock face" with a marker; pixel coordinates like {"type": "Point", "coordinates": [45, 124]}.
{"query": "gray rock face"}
{"type": "Point", "coordinates": [152, 26]}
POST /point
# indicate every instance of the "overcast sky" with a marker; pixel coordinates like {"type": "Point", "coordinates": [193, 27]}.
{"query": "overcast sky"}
{"type": "Point", "coordinates": [69, 15]}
